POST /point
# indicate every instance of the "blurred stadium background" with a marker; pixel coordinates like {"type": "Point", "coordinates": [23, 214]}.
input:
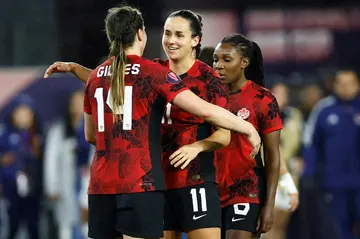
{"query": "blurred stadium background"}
{"type": "Point", "coordinates": [303, 44]}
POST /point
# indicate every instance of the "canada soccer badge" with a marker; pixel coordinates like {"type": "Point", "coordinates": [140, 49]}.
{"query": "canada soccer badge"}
{"type": "Point", "coordinates": [243, 113]}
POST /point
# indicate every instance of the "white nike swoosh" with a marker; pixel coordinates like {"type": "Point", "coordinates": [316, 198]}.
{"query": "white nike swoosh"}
{"type": "Point", "coordinates": [198, 217]}
{"type": "Point", "coordinates": [237, 219]}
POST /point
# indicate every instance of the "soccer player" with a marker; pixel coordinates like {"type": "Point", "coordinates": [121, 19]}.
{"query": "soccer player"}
{"type": "Point", "coordinates": [247, 188]}
{"type": "Point", "coordinates": [124, 96]}
{"type": "Point", "coordinates": [192, 201]}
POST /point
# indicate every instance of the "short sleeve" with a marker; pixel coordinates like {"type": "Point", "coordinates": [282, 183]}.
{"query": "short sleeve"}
{"type": "Point", "coordinates": [217, 93]}
{"type": "Point", "coordinates": [271, 116]}
{"type": "Point", "coordinates": [168, 84]}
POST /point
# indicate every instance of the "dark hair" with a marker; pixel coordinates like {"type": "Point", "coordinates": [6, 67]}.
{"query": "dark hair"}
{"type": "Point", "coordinates": [206, 55]}
{"type": "Point", "coordinates": [247, 48]}
{"type": "Point", "coordinates": [122, 24]}
{"type": "Point", "coordinates": [195, 21]}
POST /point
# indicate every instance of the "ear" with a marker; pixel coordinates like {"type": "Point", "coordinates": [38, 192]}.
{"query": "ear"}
{"type": "Point", "coordinates": [245, 62]}
{"type": "Point", "coordinates": [195, 41]}
{"type": "Point", "coordinates": [140, 34]}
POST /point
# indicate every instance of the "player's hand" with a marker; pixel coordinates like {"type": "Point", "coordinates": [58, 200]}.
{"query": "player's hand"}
{"type": "Point", "coordinates": [59, 67]}
{"type": "Point", "coordinates": [255, 141]}
{"type": "Point", "coordinates": [294, 201]}
{"type": "Point", "coordinates": [184, 155]}
{"type": "Point", "coordinates": [266, 219]}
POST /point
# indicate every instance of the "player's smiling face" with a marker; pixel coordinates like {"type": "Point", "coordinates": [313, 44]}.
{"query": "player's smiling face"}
{"type": "Point", "coordinates": [228, 63]}
{"type": "Point", "coordinates": [177, 38]}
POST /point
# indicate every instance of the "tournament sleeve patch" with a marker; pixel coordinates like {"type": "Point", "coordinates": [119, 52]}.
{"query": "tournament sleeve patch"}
{"type": "Point", "coordinates": [172, 78]}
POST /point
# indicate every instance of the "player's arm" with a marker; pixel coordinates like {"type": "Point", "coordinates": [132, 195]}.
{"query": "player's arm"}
{"type": "Point", "coordinates": [184, 155]}
{"type": "Point", "coordinates": [89, 128]}
{"type": "Point", "coordinates": [218, 116]}
{"type": "Point", "coordinates": [272, 164]}
{"type": "Point", "coordinates": [81, 72]}
{"type": "Point", "coordinates": [220, 138]}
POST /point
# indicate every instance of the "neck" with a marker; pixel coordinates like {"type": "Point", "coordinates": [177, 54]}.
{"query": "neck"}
{"type": "Point", "coordinates": [237, 85]}
{"type": "Point", "coordinates": [134, 50]}
{"type": "Point", "coordinates": [182, 66]}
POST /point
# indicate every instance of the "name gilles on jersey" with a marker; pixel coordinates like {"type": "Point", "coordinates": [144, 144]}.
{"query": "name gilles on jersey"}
{"type": "Point", "coordinates": [133, 69]}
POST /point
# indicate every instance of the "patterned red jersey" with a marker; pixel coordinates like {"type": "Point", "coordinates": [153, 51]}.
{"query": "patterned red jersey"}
{"type": "Point", "coordinates": [128, 151]}
{"type": "Point", "coordinates": [235, 173]}
{"type": "Point", "coordinates": [180, 128]}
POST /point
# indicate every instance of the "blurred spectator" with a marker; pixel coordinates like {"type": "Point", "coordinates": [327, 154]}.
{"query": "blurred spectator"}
{"type": "Point", "coordinates": [310, 95]}
{"type": "Point", "coordinates": [332, 155]}
{"type": "Point", "coordinates": [206, 55]}
{"type": "Point", "coordinates": [290, 143]}
{"type": "Point", "coordinates": [61, 172]}
{"type": "Point", "coordinates": [20, 166]}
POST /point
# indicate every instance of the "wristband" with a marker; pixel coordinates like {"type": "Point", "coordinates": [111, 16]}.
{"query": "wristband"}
{"type": "Point", "coordinates": [287, 183]}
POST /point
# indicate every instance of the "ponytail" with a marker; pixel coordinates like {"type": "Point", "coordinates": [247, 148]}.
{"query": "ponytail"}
{"type": "Point", "coordinates": [255, 71]}
{"type": "Point", "coordinates": [117, 79]}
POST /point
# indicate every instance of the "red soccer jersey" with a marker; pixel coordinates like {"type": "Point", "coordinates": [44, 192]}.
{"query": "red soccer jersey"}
{"type": "Point", "coordinates": [235, 173]}
{"type": "Point", "coordinates": [180, 128]}
{"type": "Point", "coordinates": [128, 151]}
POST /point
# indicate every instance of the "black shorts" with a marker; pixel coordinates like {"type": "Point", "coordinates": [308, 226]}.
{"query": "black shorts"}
{"type": "Point", "coordinates": [191, 208]}
{"type": "Point", "coordinates": [244, 216]}
{"type": "Point", "coordinates": [241, 216]}
{"type": "Point", "coordinates": [135, 215]}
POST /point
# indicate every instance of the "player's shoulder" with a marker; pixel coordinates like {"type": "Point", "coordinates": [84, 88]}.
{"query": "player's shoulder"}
{"type": "Point", "coordinates": [161, 70]}
{"type": "Point", "coordinates": [101, 71]}
{"type": "Point", "coordinates": [205, 68]}
{"type": "Point", "coordinates": [154, 66]}
{"type": "Point", "coordinates": [209, 75]}
{"type": "Point", "coordinates": [261, 92]}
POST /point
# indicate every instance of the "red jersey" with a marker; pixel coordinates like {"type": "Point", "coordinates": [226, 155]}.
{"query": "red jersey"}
{"type": "Point", "coordinates": [237, 180]}
{"type": "Point", "coordinates": [180, 128]}
{"type": "Point", "coordinates": [128, 151]}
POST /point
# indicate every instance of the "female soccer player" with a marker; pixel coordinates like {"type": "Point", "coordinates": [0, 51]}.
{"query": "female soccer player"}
{"type": "Point", "coordinates": [247, 188]}
{"type": "Point", "coordinates": [123, 97]}
{"type": "Point", "coordinates": [192, 202]}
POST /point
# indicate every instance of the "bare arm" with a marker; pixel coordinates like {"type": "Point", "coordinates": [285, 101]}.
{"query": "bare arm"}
{"type": "Point", "coordinates": [218, 116]}
{"type": "Point", "coordinates": [220, 138]}
{"type": "Point", "coordinates": [272, 164]}
{"type": "Point", "coordinates": [89, 127]}
{"type": "Point", "coordinates": [81, 72]}
{"type": "Point", "coordinates": [184, 155]}
{"type": "Point", "coordinates": [213, 114]}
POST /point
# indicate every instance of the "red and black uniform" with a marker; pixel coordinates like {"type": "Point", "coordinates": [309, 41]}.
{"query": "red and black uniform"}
{"type": "Point", "coordinates": [126, 168]}
{"type": "Point", "coordinates": [241, 178]}
{"type": "Point", "coordinates": [192, 195]}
